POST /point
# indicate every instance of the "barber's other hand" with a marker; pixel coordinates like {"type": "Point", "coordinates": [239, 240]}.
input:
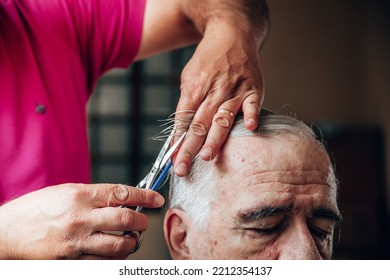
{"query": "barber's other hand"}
{"type": "Point", "coordinates": [68, 222]}
{"type": "Point", "coordinates": [222, 78]}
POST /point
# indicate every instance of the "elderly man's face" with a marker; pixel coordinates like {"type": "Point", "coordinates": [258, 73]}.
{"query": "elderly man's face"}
{"type": "Point", "coordinates": [274, 202]}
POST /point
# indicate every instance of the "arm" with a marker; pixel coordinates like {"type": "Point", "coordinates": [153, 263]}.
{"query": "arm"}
{"type": "Point", "coordinates": [224, 72]}
{"type": "Point", "coordinates": [165, 27]}
{"type": "Point", "coordinates": [249, 16]}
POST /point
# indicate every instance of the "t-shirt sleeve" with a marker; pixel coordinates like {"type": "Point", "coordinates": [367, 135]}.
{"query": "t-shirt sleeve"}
{"type": "Point", "coordinates": [106, 33]}
{"type": "Point", "coordinates": [102, 34]}
{"type": "Point", "coordinates": [114, 30]}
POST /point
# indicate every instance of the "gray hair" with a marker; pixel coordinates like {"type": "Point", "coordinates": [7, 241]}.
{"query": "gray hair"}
{"type": "Point", "coordinates": [194, 193]}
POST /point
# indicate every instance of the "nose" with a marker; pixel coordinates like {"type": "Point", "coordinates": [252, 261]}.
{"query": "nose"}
{"type": "Point", "coordinates": [299, 245]}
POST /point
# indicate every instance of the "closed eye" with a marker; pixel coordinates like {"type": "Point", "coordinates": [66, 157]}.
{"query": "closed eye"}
{"type": "Point", "coordinates": [319, 232]}
{"type": "Point", "coordinates": [267, 231]}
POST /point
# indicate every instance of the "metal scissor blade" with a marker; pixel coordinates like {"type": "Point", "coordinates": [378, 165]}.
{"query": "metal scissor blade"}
{"type": "Point", "coordinates": [163, 161]}
{"type": "Point", "coordinates": [142, 183]}
{"type": "Point", "coordinates": [166, 163]}
{"type": "Point", "coordinates": [157, 166]}
{"type": "Point", "coordinates": [164, 149]}
{"type": "Point", "coordinates": [173, 149]}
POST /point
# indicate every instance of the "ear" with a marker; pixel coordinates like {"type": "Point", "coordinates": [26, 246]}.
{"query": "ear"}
{"type": "Point", "coordinates": [175, 232]}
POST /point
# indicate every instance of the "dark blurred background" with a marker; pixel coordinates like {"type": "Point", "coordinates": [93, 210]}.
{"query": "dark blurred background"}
{"type": "Point", "coordinates": [325, 62]}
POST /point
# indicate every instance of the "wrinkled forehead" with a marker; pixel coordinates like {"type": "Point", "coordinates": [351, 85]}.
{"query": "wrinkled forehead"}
{"type": "Point", "coordinates": [284, 157]}
{"type": "Point", "coordinates": [277, 171]}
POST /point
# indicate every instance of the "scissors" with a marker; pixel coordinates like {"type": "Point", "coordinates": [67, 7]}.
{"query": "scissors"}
{"type": "Point", "coordinates": [155, 177]}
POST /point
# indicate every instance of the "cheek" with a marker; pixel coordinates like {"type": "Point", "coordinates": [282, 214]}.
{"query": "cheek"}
{"type": "Point", "coordinates": [325, 248]}
{"type": "Point", "coordinates": [204, 244]}
{"type": "Point", "coordinates": [215, 241]}
{"type": "Point", "coordinates": [222, 243]}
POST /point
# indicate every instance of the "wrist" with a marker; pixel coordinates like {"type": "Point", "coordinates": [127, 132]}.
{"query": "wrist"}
{"type": "Point", "coordinates": [243, 31]}
{"type": "Point", "coordinates": [221, 33]}
{"type": "Point", "coordinates": [248, 19]}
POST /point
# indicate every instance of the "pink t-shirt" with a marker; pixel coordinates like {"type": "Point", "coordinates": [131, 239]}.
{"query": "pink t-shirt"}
{"type": "Point", "coordinates": [51, 54]}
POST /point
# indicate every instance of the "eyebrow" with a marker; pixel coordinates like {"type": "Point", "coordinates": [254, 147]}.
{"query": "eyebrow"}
{"type": "Point", "coordinates": [252, 215]}
{"type": "Point", "coordinates": [328, 214]}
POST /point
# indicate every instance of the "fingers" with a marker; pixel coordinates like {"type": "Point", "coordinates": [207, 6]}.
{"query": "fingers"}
{"type": "Point", "coordinates": [221, 125]}
{"type": "Point", "coordinates": [223, 121]}
{"type": "Point", "coordinates": [214, 123]}
{"type": "Point", "coordinates": [108, 246]}
{"type": "Point", "coordinates": [197, 132]}
{"type": "Point", "coordinates": [113, 195]}
{"type": "Point", "coordinates": [251, 109]}
{"type": "Point", "coordinates": [89, 224]}
{"type": "Point", "coordinates": [102, 245]}
{"type": "Point", "coordinates": [118, 219]}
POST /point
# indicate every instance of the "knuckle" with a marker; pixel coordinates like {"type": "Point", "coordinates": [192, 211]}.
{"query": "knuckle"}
{"type": "Point", "coordinates": [67, 251]}
{"type": "Point", "coordinates": [188, 74]}
{"type": "Point", "coordinates": [222, 121]}
{"type": "Point", "coordinates": [213, 144]}
{"type": "Point", "coordinates": [120, 246]}
{"type": "Point", "coordinates": [223, 88]}
{"type": "Point", "coordinates": [251, 88]}
{"type": "Point", "coordinates": [186, 155]}
{"type": "Point", "coordinates": [121, 193]}
{"type": "Point", "coordinates": [71, 244]}
{"type": "Point", "coordinates": [126, 218]}
{"type": "Point", "coordinates": [73, 223]}
{"type": "Point", "coordinates": [77, 192]}
{"type": "Point", "coordinates": [188, 85]}
{"type": "Point", "coordinates": [70, 250]}
{"type": "Point", "coordinates": [183, 87]}
{"type": "Point", "coordinates": [254, 101]}
{"type": "Point", "coordinates": [198, 129]}
{"type": "Point", "coordinates": [182, 123]}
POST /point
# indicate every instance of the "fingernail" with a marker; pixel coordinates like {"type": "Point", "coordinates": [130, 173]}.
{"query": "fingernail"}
{"type": "Point", "coordinates": [250, 123]}
{"type": "Point", "coordinates": [159, 201]}
{"type": "Point", "coordinates": [206, 154]}
{"type": "Point", "coordinates": [181, 169]}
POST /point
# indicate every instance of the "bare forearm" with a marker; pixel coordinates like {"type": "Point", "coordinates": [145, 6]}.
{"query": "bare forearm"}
{"type": "Point", "coordinates": [165, 28]}
{"type": "Point", "coordinates": [248, 16]}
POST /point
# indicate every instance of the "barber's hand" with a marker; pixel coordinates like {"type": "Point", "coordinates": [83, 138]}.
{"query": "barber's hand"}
{"type": "Point", "coordinates": [222, 78]}
{"type": "Point", "coordinates": [68, 222]}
